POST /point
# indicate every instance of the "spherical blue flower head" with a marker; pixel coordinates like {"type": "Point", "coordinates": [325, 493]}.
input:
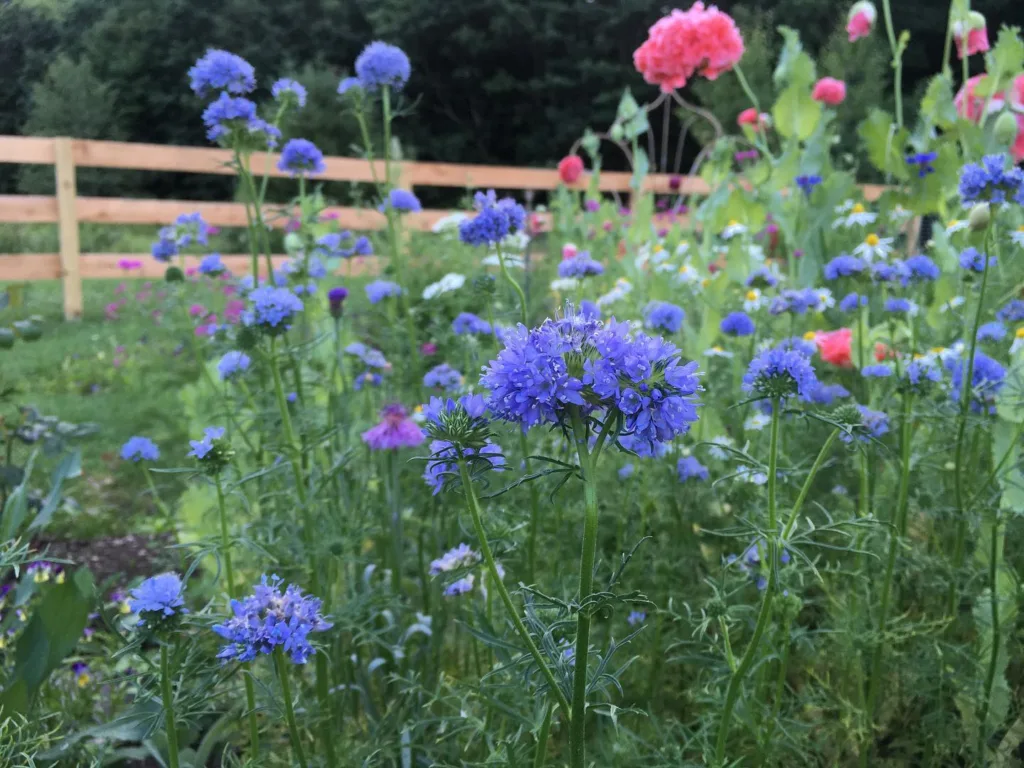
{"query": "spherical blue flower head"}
{"type": "Point", "coordinates": [226, 114]}
{"type": "Point", "coordinates": [1013, 312]}
{"type": "Point", "coordinates": [270, 619]}
{"type": "Point", "coordinates": [221, 71]}
{"type": "Point", "coordinates": [987, 379]}
{"type": "Point", "coordinates": [580, 265]}
{"type": "Point", "coordinates": [974, 261]}
{"type": "Point", "coordinates": [800, 345]}
{"type": "Point", "coordinates": [157, 599]}
{"type": "Point", "coordinates": [367, 379]}
{"type": "Point", "coordinates": [990, 181]}
{"type": "Point", "coordinates": [664, 316]}
{"type": "Point", "coordinates": [382, 65]}
{"type": "Point", "coordinates": [191, 229]}
{"type": "Point", "coordinates": [636, 617]}
{"type": "Point", "coordinates": [994, 331]}
{"type": "Point", "coordinates": [201, 449]}
{"type": "Point", "coordinates": [287, 91]}
{"type": "Point", "coordinates": [880, 371]}
{"type": "Point", "coordinates": [644, 449]}
{"type": "Point", "coordinates": [442, 466]}
{"type": "Point", "coordinates": [301, 157]}
{"type": "Point", "coordinates": [372, 358]}
{"type": "Point", "coordinates": [919, 376]}
{"type": "Point", "coordinates": [626, 471]}
{"type": "Point", "coordinates": [873, 424]}
{"type": "Point", "coordinates": [883, 272]}
{"type": "Point", "coordinates": [852, 301]}
{"type": "Point", "coordinates": [140, 449]}
{"type": "Point", "coordinates": [923, 161]}
{"type": "Point", "coordinates": [379, 290]}
{"type": "Point", "coordinates": [898, 305]}
{"type": "Point", "coordinates": [762, 278]}
{"type": "Point", "coordinates": [401, 200]}
{"type": "Point", "coordinates": [808, 183]}
{"type": "Point", "coordinates": [232, 364]}
{"type": "Point", "coordinates": [688, 468]}
{"type": "Point", "coordinates": [468, 323]}
{"type": "Point", "coordinates": [737, 324]}
{"type": "Point", "coordinates": [797, 302]}
{"type": "Point", "coordinates": [780, 373]}
{"type": "Point", "coordinates": [844, 266]}
{"type": "Point", "coordinates": [443, 376]}
{"type": "Point", "coordinates": [921, 269]}
{"type": "Point", "coordinates": [363, 246]}
{"type": "Point", "coordinates": [272, 309]}
{"type": "Point", "coordinates": [164, 249]}
{"type": "Point", "coordinates": [212, 265]}
{"type": "Point", "coordinates": [350, 85]}
{"type": "Point", "coordinates": [825, 394]}
{"type": "Point", "coordinates": [495, 220]}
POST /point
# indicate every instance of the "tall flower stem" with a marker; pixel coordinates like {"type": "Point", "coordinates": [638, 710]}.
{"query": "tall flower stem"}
{"type": "Point", "coordinates": [168, 517]}
{"type": "Point", "coordinates": [542, 737]}
{"type": "Point", "coordinates": [732, 693]}
{"type": "Point", "coordinates": [577, 724]}
{"type": "Point", "coordinates": [897, 61]}
{"type": "Point", "coordinates": [229, 575]}
{"type": "Point", "coordinates": [993, 660]}
{"type": "Point", "coordinates": [397, 535]}
{"type": "Point", "coordinates": [967, 379]}
{"type": "Point", "coordinates": [899, 525]}
{"type": "Point", "coordinates": [515, 286]}
{"type": "Point", "coordinates": [289, 710]}
{"type": "Point", "coordinates": [168, 699]}
{"type": "Point", "coordinates": [473, 506]}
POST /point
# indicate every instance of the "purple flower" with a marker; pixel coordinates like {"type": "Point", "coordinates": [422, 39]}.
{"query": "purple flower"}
{"type": "Point", "coordinates": [919, 376]}
{"type": "Point", "coordinates": [636, 617]}
{"type": "Point", "coordinates": [348, 84]}
{"type": "Point", "coordinates": [234, 119]}
{"type": "Point", "coordinates": [232, 364]}
{"type": "Point", "coordinates": [336, 299]}
{"type": "Point", "coordinates": [382, 66]}
{"type": "Point", "coordinates": [455, 559]}
{"type": "Point", "coordinates": [396, 430]}
{"type": "Point", "coordinates": [844, 266]}
{"type": "Point", "coordinates": [808, 183]}
{"type": "Point", "coordinates": [443, 376]}
{"type": "Point", "coordinates": [372, 358]}
{"type": "Point", "coordinates": [495, 220]}
{"type": "Point", "coordinates": [401, 200]}
{"type": "Point", "coordinates": [270, 619]}
{"type": "Point", "coordinates": [898, 305]}
{"type": "Point", "coordinates": [750, 562]}
{"type": "Point", "coordinates": [851, 301]}
{"type": "Point", "coordinates": [590, 310]}
{"type": "Point", "coordinates": [164, 249]}
{"type": "Point", "coordinates": [286, 91]}
{"type": "Point", "coordinates": [379, 290]}
{"type": "Point", "coordinates": [780, 373]}
{"type": "Point", "coordinates": [626, 471]}
{"type": "Point", "coordinates": [469, 323]}
{"type": "Point", "coordinates": [737, 324]}
{"type": "Point", "coordinates": [824, 394]}
{"type": "Point", "coordinates": [367, 379]}
{"type": "Point", "coordinates": [873, 424]}
{"type": "Point", "coordinates": [158, 598]}
{"type": "Point", "coordinates": [301, 157]}
{"type": "Point", "coordinates": [221, 71]}
{"type": "Point", "coordinates": [688, 468]}
{"type": "Point", "coordinates": [973, 261]}
{"type": "Point", "coordinates": [664, 316]}
{"type": "Point", "coordinates": [580, 265]}
{"type": "Point", "coordinates": [882, 272]}
{"type": "Point", "coordinates": [797, 302]}
{"type": "Point", "coordinates": [140, 449]}
{"type": "Point", "coordinates": [272, 309]}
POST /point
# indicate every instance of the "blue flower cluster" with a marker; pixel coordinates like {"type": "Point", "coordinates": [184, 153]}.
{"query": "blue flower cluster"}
{"type": "Point", "coordinates": [342, 245]}
{"type": "Point", "coordinates": [991, 181]}
{"type": "Point", "coordinates": [212, 265]}
{"type": "Point", "coordinates": [382, 66]}
{"type": "Point", "coordinates": [888, 272]}
{"type": "Point", "coordinates": [372, 358]}
{"type": "Point", "coordinates": [270, 619]}
{"type": "Point", "coordinates": [780, 373]}
{"type": "Point", "coordinates": [468, 323]}
{"type": "Point", "coordinates": [379, 290]}
{"type": "Point", "coordinates": [202, 448]}
{"type": "Point", "coordinates": [880, 371]}
{"type": "Point", "coordinates": [401, 200]}
{"type": "Point", "coordinates": [234, 117]}
{"type": "Point", "coordinates": [919, 375]}
{"type": "Point", "coordinates": [301, 157]}
{"type": "Point", "coordinates": [921, 268]}
{"type": "Point", "coordinates": [737, 324]}
{"type": "Point", "coordinates": [580, 265]}
{"type": "Point", "coordinates": [824, 394]}
{"type": "Point", "coordinates": [797, 302]}
{"type": "Point", "coordinates": [232, 364]}
{"type": "Point", "coordinates": [873, 424]}
{"type": "Point", "coordinates": [495, 220]}
{"type": "Point", "coordinates": [994, 331]}
{"type": "Point", "coordinates": [688, 468]}
{"type": "Point", "coordinates": [923, 161]}
{"type": "Point", "coordinates": [851, 301]}
{"type": "Point", "coordinates": [987, 379]}
{"type": "Point", "coordinates": [140, 449]}
{"type": "Point", "coordinates": [584, 364]}
{"type": "Point", "coordinates": [762, 277]}
{"type": "Point", "coordinates": [1013, 312]}
{"type": "Point", "coordinates": [443, 376]}
{"type": "Point", "coordinates": [844, 266]}
{"type": "Point", "coordinates": [664, 316]}
{"type": "Point", "coordinates": [157, 599]}
{"type": "Point", "coordinates": [221, 71]}
{"type": "Point", "coordinates": [974, 261]}
{"type": "Point", "coordinates": [750, 563]}
{"type": "Point", "coordinates": [286, 91]}
{"type": "Point", "coordinates": [899, 306]}
{"type": "Point", "coordinates": [272, 309]}
{"type": "Point", "coordinates": [808, 183]}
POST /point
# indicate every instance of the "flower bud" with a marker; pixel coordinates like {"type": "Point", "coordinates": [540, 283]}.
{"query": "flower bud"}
{"type": "Point", "coordinates": [293, 242]}
{"type": "Point", "coordinates": [336, 299]}
{"type": "Point", "coordinates": [174, 275]}
{"type": "Point", "coordinates": [6, 338]}
{"type": "Point", "coordinates": [616, 132]}
{"type": "Point", "coordinates": [980, 217]}
{"type": "Point", "coordinates": [1005, 129]}
{"type": "Point", "coordinates": [28, 330]}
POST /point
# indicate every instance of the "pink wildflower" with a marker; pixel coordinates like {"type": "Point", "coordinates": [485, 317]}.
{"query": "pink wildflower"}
{"type": "Point", "coordinates": [829, 91]}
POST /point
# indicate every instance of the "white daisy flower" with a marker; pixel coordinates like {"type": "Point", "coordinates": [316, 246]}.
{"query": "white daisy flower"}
{"type": "Point", "coordinates": [899, 214]}
{"type": "Point", "coordinates": [753, 300]}
{"type": "Point", "coordinates": [717, 452]}
{"type": "Point", "coordinates": [857, 217]}
{"type": "Point", "coordinates": [955, 303]}
{"type": "Point", "coordinates": [648, 253]}
{"type": "Point", "coordinates": [622, 288]}
{"type": "Point", "coordinates": [756, 252]}
{"type": "Point", "coordinates": [417, 414]}
{"type": "Point", "coordinates": [682, 249]}
{"type": "Point", "coordinates": [757, 422]}
{"type": "Point", "coordinates": [663, 269]}
{"type": "Point", "coordinates": [845, 206]}
{"type": "Point", "coordinates": [874, 247]}
{"type": "Point", "coordinates": [450, 282]}
{"type": "Point", "coordinates": [954, 226]}
{"type": "Point", "coordinates": [1018, 236]}
{"type": "Point", "coordinates": [687, 274]}
{"type": "Point", "coordinates": [448, 224]}
{"type": "Point", "coordinates": [1018, 341]}
{"type": "Point", "coordinates": [732, 229]}
{"type": "Point", "coordinates": [717, 351]}
{"type": "Point", "coordinates": [517, 241]}
{"type": "Point", "coordinates": [825, 299]}
{"type": "Point", "coordinates": [564, 284]}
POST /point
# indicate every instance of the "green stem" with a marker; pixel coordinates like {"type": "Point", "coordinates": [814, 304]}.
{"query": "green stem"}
{"type": "Point", "coordinates": [805, 489]}
{"type": "Point", "coordinates": [542, 737]}
{"type": "Point", "coordinates": [168, 517]}
{"type": "Point", "coordinates": [397, 535]}
{"type": "Point", "coordinates": [897, 62]}
{"type": "Point", "coordinates": [534, 513]}
{"type": "Point", "coordinates": [577, 723]}
{"type": "Point", "coordinates": [474, 511]}
{"type": "Point", "coordinates": [289, 710]}
{"type": "Point", "coordinates": [736, 680]}
{"type": "Point", "coordinates": [168, 697]}
{"type": "Point", "coordinates": [515, 286]}
{"type": "Point", "coordinates": [759, 139]}
{"type": "Point", "coordinates": [993, 659]}
{"type": "Point", "coordinates": [780, 683]}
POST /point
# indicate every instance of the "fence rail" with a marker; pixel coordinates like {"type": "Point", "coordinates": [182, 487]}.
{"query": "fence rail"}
{"type": "Point", "coordinates": [67, 210]}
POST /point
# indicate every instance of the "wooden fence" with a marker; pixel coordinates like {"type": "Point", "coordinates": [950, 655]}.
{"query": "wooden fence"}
{"type": "Point", "coordinates": [67, 209]}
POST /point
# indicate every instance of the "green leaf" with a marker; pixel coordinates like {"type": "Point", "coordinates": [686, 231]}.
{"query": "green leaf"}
{"type": "Point", "coordinates": [591, 144]}
{"type": "Point", "coordinates": [795, 67]}
{"type": "Point", "coordinates": [636, 126]}
{"type": "Point", "coordinates": [796, 114]}
{"type": "Point", "coordinates": [69, 467]}
{"type": "Point", "coordinates": [937, 103]}
{"type": "Point", "coordinates": [16, 509]}
{"type": "Point", "coordinates": [628, 107]}
{"type": "Point", "coordinates": [884, 143]}
{"type": "Point", "coordinates": [1006, 56]}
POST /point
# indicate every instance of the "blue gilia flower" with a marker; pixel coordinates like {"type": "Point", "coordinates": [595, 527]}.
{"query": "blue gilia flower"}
{"type": "Point", "coordinates": [797, 302]}
{"type": "Point", "coordinates": [688, 468]}
{"type": "Point", "coordinates": [994, 331]}
{"type": "Point", "coordinates": [221, 71]}
{"type": "Point", "coordinates": [923, 161]}
{"type": "Point", "coordinates": [401, 200]}
{"type": "Point", "coordinates": [212, 265]}
{"type": "Point", "coordinates": [443, 458]}
{"type": "Point", "coordinates": [626, 471]}
{"type": "Point", "coordinates": [232, 364]}
{"type": "Point", "coordinates": [750, 563]}
{"type": "Point", "coordinates": [921, 269]}
{"type": "Point", "coordinates": [367, 379]}
{"type": "Point", "coordinates": [902, 306]}
{"type": "Point", "coordinates": [382, 66]}
{"type": "Point", "coordinates": [808, 183]}
{"type": "Point", "coordinates": [844, 266]}
{"type": "Point", "coordinates": [372, 358]}
{"type": "Point", "coordinates": [987, 379]}
{"type": "Point", "coordinates": [919, 376]}
{"type": "Point", "coordinates": [799, 344]}
{"type": "Point", "coordinates": [974, 261]}
{"type": "Point", "coordinates": [780, 373]}
{"type": "Point", "coordinates": [272, 309]}
{"type": "Point", "coordinates": [884, 272]}
{"type": "Point", "coordinates": [203, 448]}
{"type": "Point", "coordinates": [585, 365]}
{"type": "Point", "coordinates": [443, 376]}
{"type": "Point", "coordinates": [287, 91]}
{"type": "Point", "coordinates": [580, 265]}
{"type": "Point", "coordinates": [468, 323]}
{"type": "Point", "coordinates": [270, 619]}
{"type": "Point", "coordinates": [636, 617]}
{"type": "Point", "coordinates": [301, 157]}
{"type": "Point", "coordinates": [226, 114]}
{"type": "Point", "coordinates": [737, 324]}
{"type": "Point", "coordinates": [590, 310]}
{"type": "Point", "coordinates": [1013, 312]}
{"type": "Point", "coordinates": [350, 85]}
{"type": "Point", "coordinates": [762, 278]}
{"type": "Point", "coordinates": [991, 181]}
{"type": "Point", "coordinates": [873, 424]}
{"type": "Point", "coordinates": [140, 449]}
{"type": "Point", "coordinates": [379, 290]}
{"type": "Point", "coordinates": [664, 316]}
{"type": "Point", "coordinates": [826, 394]}
{"type": "Point", "coordinates": [166, 248]}
{"type": "Point", "coordinates": [852, 301]}
{"type": "Point", "coordinates": [495, 220]}
{"type": "Point", "coordinates": [880, 371]}
{"type": "Point", "coordinates": [158, 598]}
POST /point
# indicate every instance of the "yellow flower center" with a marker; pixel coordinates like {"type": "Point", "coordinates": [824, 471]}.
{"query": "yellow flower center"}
{"type": "Point", "coordinates": [918, 356]}
{"type": "Point", "coordinates": [685, 269]}
{"type": "Point", "coordinates": [418, 409]}
{"type": "Point", "coordinates": [125, 608]}
{"type": "Point", "coordinates": [717, 348]}
{"type": "Point", "coordinates": [704, 283]}
{"type": "Point", "coordinates": [83, 680]}
{"type": "Point", "coordinates": [937, 350]}
{"type": "Point", "coordinates": [1020, 332]}
{"type": "Point", "coordinates": [1020, 228]}
{"type": "Point", "coordinates": [858, 208]}
{"type": "Point", "coordinates": [871, 240]}
{"type": "Point", "coordinates": [658, 248]}
{"type": "Point", "coordinates": [809, 336]}
{"type": "Point", "coordinates": [732, 223]}
{"type": "Point", "coordinates": [752, 295]}
{"type": "Point", "coordinates": [952, 223]}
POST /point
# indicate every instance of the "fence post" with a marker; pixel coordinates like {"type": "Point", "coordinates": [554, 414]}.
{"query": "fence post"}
{"type": "Point", "coordinates": [67, 226]}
